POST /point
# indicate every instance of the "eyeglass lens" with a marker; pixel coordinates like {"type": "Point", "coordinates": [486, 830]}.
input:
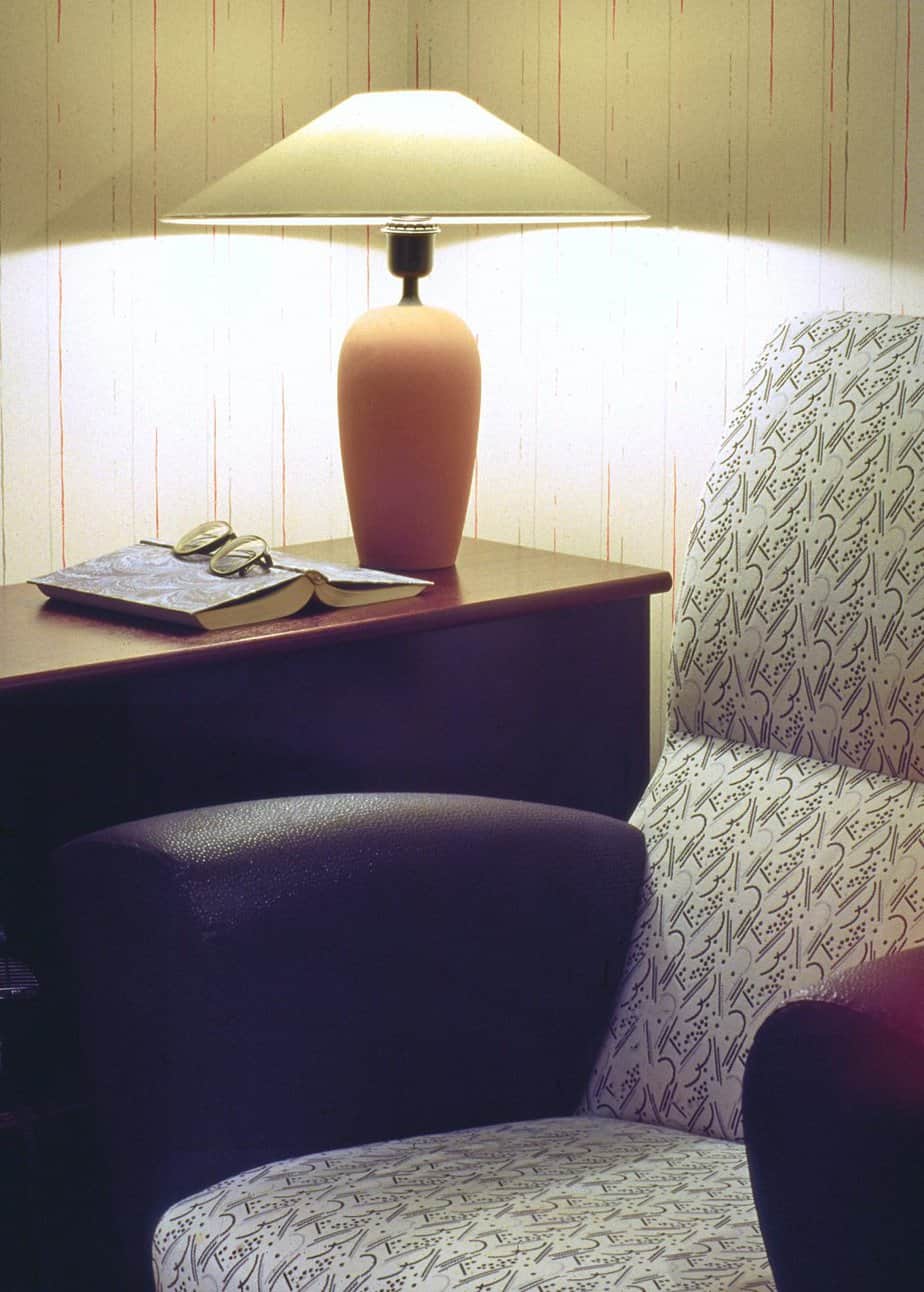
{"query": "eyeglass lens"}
{"type": "Point", "coordinates": [207, 537]}
{"type": "Point", "coordinates": [238, 554]}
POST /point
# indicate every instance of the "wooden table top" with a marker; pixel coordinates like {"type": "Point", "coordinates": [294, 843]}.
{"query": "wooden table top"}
{"type": "Point", "coordinates": [43, 643]}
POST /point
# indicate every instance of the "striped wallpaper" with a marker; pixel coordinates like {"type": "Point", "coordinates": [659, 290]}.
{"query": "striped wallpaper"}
{"type": "Point", "coordinates": [153, 376]}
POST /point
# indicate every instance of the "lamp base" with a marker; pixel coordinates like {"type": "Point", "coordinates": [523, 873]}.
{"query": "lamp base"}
{"type": "Point", "coordinates": [409, 395]}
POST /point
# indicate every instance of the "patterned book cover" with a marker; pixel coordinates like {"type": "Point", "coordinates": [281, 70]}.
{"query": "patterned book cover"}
{"type": "Point", "coordinates": [147, 578]}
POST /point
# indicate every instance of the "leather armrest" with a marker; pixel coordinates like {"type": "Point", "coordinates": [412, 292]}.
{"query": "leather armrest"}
{"type": "Point", "coordinates": [889, 989]}
{"type": "Point", "coordinates": [266, 979]}
{"type": "Point", "coordinates": [833, 1107]}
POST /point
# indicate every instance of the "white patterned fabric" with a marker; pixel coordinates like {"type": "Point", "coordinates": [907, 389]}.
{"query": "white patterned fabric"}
{"type": "Point", "coordinates": [766, 872]}
{"type": "Point", "coordinates": [576, 1204]}
{"type": "Point", "coordinates": [800, 622]}
{"type": "Point", "coordinates": [784, 823]}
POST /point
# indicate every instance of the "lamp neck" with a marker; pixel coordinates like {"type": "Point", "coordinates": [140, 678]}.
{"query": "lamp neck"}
{"type": "Point", "coordinates": [410, 253]}
{"type": "Point", "coordinates": [410, 295]}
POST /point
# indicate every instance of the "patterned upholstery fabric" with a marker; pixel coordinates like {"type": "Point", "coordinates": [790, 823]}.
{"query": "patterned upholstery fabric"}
{"type": "Point", "coordinates": [577, 1204]}
{"type": "Point", "coordinates": [767, 872]}
{"type": "Point", "coordinates": [785, 820]}
{"type": "Point", "coordinates": [800, 620]}
{"type": "Point", "coordinates": [785, 833]}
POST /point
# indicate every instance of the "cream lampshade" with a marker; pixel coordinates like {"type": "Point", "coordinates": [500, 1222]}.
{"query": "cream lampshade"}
{"type": "Point", "coordinates": [409, 378]}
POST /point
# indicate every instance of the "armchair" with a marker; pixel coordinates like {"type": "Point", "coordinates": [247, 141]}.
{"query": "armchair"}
{"type": "Point", "coordinates": [397, 1042]}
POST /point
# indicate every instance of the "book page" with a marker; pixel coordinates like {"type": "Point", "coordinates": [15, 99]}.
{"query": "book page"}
{"type": "Point", "coordinates": [345, 575]}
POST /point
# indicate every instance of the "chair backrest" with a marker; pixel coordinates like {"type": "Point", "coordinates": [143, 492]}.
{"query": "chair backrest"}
{"type": "Point", "coordinates": [785, 819]}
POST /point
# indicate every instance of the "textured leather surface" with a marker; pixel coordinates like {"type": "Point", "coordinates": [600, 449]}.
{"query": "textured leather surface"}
{"type": "Point", "coordinates": [298, 974]}
{"type": "Point", "coordinates": [889, 990]}
{"type": "Point", "coordinates": [834, 1121]}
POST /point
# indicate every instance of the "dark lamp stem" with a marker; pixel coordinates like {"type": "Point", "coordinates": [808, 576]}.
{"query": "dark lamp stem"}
{"type": "Point", "coordinates": [410, 295]}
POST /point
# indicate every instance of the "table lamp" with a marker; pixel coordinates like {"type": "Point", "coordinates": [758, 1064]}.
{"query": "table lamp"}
{"type": "Point", "coordinates": [409, 376]}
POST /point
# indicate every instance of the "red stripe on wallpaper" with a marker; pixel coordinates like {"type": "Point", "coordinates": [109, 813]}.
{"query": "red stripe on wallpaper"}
{"type": "Point", "coordinates": [907, 111]}
{"type": "Point", "coordinates": [61, 495]}
{"type": "Point", "coordinates": [674, 538]}
{"type": "Point", "coordinates": [58, 27]}
{"type": "Point", "coordinates": [368, 44]}
{"type": "Point", "coordinates": [155, 69]}
{"type": "Point", "coordinates": [282, 419]}
{"type": "Point", "coordinates": [558, 103]}
{"type": "Point", "coordinates": [157, 482]}
{"type": "Point", "coordinates": [214, 24]}
{"type": "Point", "coordinates": [282, 22]}
{"type": "Point", "coordinates": [214, 455]}
{"type": "Point", "coordinates": [155, 92]}
{"type": "Point", "coordinates": [416, 56]}
{"type": "Point", "coordinates": [847, 122]}
{"type": "Point", "coordinates": [772, 41]}
{"type": "Point", "coordinates": [613, 20]}
{"type": "Point", "coordinates": [283, 428]}
{"type": "Point", "coordinates": [832, 64]}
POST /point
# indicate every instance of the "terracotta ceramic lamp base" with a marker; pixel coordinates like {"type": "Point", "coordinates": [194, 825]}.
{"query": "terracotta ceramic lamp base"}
{"type": "Point", "coordinates": [409, 394]}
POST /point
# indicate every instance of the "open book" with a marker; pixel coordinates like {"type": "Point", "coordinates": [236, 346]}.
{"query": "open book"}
{"type": "Point", "coordinates": [147, 579]}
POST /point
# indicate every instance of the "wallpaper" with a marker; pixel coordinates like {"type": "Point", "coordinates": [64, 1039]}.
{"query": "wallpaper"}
{"type": "Point", "coordinates": [153, 376]}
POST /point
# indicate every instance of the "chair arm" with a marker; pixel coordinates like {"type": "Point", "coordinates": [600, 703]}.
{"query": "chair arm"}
{"type": "Point", "coordinates": [833, 1108]}
{"type": "Point", "coordinates": [266, 979]}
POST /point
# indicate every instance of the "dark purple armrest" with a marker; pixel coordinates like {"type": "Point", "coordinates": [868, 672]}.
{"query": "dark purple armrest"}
{"type": "Point", "coordinates": [267, 979]}
{"type": "Point", "coordinates": [834, 1125]}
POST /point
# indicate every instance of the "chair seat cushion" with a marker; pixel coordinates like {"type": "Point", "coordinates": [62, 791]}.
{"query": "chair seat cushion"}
{"type": "Point", "coordinates": [568, 1204]}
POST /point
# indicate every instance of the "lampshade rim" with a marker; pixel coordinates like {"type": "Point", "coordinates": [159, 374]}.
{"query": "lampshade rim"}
{"type": "Point", "coordinates": [318, 220]}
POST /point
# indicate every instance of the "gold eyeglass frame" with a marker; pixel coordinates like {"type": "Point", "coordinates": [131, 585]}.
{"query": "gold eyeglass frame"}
{"type": "Point", "coordinates": [228, 553]}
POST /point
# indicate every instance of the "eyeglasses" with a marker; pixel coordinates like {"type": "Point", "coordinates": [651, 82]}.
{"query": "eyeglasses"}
{"type": "Point", "coordinates": [228, 553]}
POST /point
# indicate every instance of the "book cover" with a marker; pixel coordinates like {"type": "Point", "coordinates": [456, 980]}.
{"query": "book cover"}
{"type": "Point", "coordinates": [148, 579]}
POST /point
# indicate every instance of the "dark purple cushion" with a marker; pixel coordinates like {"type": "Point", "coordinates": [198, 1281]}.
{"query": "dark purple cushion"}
{"type": "Point", "coordinates": [833, 1106]}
